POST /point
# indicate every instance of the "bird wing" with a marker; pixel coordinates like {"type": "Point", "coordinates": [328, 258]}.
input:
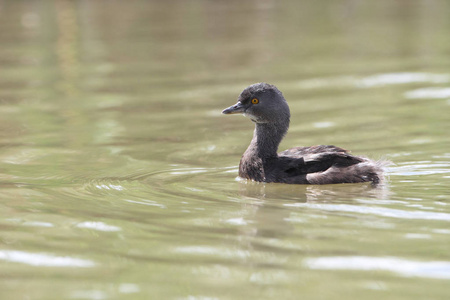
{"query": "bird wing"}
{"type": "Point", "coordinates": [316, 162]}
{"type": "Point", "coordinates": [302, 151]}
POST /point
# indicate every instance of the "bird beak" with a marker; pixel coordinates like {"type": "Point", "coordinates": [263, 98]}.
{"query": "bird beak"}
{"type": "Point", "coordinates": [238, 108]}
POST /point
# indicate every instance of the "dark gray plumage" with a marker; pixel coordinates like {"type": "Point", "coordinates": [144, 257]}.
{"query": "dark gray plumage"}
{"type": "Point", "coordinates": [265, 105]}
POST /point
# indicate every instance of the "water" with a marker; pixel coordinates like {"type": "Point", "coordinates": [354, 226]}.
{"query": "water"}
{"type": "Point", "coordinates": [118, 172]}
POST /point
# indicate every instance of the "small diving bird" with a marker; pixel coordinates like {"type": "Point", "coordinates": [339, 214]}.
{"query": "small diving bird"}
{"type": "Point", "coordinates": [266, 106]}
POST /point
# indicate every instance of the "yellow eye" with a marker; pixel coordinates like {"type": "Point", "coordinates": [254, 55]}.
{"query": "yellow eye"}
{"type": "Point", "coordinates": [255, 101]}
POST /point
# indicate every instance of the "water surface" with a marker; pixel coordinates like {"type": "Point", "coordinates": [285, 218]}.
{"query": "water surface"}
{"type": "Point", "coordinates": [118, 173]}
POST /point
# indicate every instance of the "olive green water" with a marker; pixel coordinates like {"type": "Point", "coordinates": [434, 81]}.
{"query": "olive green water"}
{"type": "Point", "coordinates": [118, 173]}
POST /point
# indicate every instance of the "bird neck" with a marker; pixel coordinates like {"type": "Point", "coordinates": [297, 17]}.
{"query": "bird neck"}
{"type": "Point", "coordinates": [266, 139]}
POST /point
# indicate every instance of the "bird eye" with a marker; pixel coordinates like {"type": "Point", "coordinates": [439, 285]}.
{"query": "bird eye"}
{"type": "Point", "coordinates": [255, 101]}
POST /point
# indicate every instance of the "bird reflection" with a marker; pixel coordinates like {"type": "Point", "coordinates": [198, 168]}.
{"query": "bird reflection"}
{"type": "Point", "coordinates": [308, 193]}
{"type": "Point", "coordinates": [268, 208]}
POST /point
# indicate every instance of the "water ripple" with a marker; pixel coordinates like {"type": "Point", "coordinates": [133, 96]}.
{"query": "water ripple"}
{"type": "Point", "coordinates": [431, 92]}
{"type": "Point", "coordinates": [100, 226]}
{"type": "Point", "coordinates": [408, 268]}
{"type": "Point", "coordinates": [420, 168]}
{"type": "Point", "coordinates": [161, 188]}
{"type": "Point", "coordinates": [379, 211]}
{"type": "Point", "coordinates": [44, 260]}
{"type": "Point", "coordinates": [374, 80]}
{"type": "Point", "coordinates": [402, 78]}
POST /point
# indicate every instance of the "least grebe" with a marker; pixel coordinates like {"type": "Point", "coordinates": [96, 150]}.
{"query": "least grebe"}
{"type": "Point", "coordinates": [266, 106]}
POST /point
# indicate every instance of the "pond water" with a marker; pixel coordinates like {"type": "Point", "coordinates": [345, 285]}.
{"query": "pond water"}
{"type": "Point", "coordinates": [118, 173]}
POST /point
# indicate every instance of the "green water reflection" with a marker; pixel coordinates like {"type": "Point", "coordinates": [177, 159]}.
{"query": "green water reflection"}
{"type": "Point", "coordinates": [118, 171]}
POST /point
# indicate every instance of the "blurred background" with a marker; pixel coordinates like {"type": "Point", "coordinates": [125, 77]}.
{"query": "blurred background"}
{"type": "Point", "coordinates": [118, 171]}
